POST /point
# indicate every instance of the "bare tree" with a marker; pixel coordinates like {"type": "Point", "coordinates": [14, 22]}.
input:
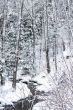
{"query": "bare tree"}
{"type": "Point", "coordinates": [17, 46]}
{"type": "Point", "coordinates": [33, 34]}
{"type": "Point", "coordinates": [55, 33]}
{"type": "Point", "coordinates": [47, 38]}
{"type": "Point", "coordinates": [2, 33]}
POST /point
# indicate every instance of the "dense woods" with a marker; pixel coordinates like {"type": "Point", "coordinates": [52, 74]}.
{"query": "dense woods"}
{"type": "Point", "coordinates": [36, 52]}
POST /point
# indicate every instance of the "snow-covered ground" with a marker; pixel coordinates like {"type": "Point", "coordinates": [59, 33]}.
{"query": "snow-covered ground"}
{"type": "Point", "coordinates": [9, 95]}
{"type": "Point", "coordinates": [41, 106]}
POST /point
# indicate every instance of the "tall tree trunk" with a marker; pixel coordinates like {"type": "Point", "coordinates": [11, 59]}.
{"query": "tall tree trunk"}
{"type": "Point", "coordinates": [55, 33]}
{"type": "Point", "coordinates": [63, 43]}
{"type": "Point", "coordinates": [2, 69]}
{"type": "Point", "coordinates": [3, 22]}
{"type": "Point", "coordinates": [55, 51]}
{"type": "Point", "coordinates": [17, 47]}
{"type": "Point", "coordinates": [33, 34]}
{"type": "Point", "coordinates": [67, 13]}
{"type": "Point", "coordinates": [41, 42]}
{"type": "Point", "coordinates": [47, 39]}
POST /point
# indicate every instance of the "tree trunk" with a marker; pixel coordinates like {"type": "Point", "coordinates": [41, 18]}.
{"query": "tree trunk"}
{"type": "Point", "coordinates": [47, 40]}
{"type": "Point", "coordinates": [33, 34]}
{"type": "Point", "coordinates": [17, 48]}
{"type": "Point", "coordinates": [47, 60]}
{"type": "Point", "coordinates": [55, 34]}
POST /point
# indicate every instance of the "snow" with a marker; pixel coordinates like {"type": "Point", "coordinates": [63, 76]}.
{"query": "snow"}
{"type": "Point", "coordinates": [49, 82]}
{"type": "Point", "coordinates": [45, 81]}
{"type": "Point", "coordinates": [9, 95]}
{"type": "Point", "coordinates": [41, 106]}
{"type": "Point", "coordinates": [23, 77]}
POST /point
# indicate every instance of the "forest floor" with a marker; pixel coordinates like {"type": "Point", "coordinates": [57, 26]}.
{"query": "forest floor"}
{"type": "Point", "coordinates": [46, 84]}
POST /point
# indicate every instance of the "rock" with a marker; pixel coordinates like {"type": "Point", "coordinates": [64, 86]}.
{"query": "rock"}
{"type": "Point", "coordinates": [25, 82]}
{"type": "Point", "coordinates": [22, 104]}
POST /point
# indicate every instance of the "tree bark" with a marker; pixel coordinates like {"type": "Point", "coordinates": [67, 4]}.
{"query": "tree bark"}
{"type": "Point", "coordinates": [17, 48]}
{"type": "Point", "coordinates": [47, 40]}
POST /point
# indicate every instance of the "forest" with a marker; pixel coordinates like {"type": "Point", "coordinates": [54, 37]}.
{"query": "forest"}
{"type": "Point", "coordinates": [36, 54]}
